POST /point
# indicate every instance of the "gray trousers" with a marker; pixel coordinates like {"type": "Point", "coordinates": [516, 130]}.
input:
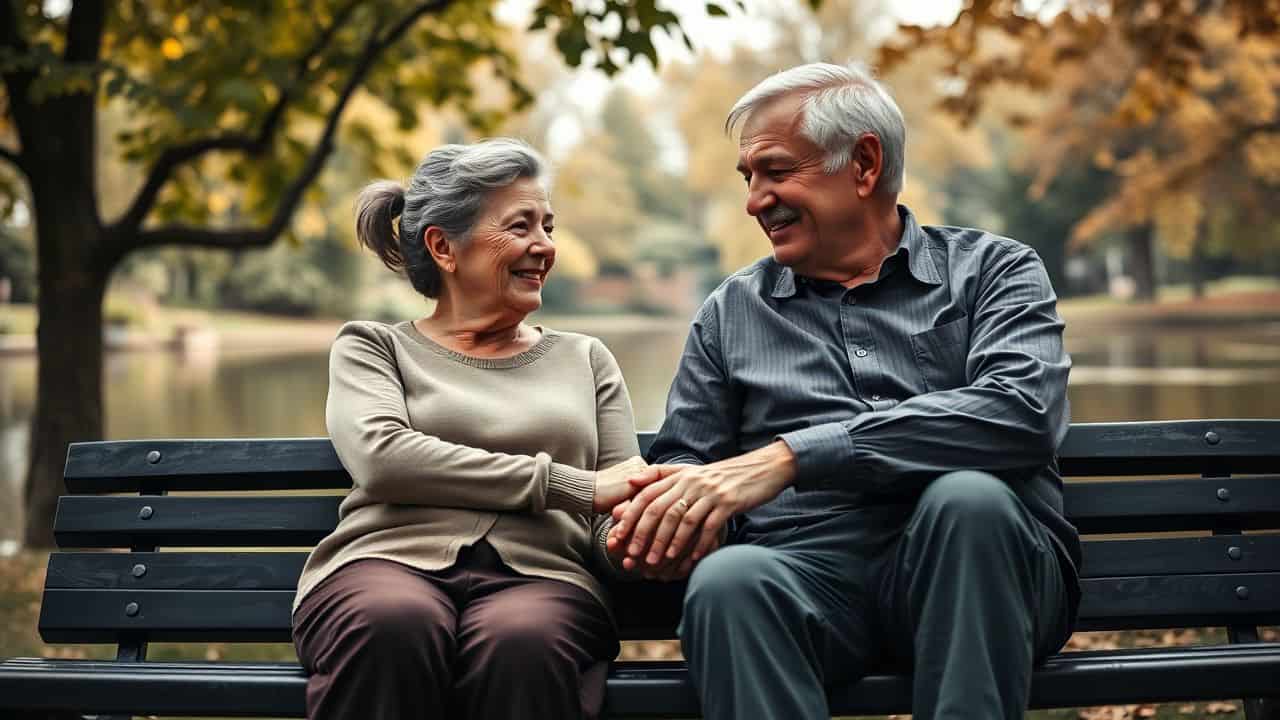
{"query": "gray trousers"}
{"type": "Point", "coordinates": [964, 587]}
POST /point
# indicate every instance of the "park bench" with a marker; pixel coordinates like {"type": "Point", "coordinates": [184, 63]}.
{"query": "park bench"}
{"type": "Point", "coordinates": [1198, 504]}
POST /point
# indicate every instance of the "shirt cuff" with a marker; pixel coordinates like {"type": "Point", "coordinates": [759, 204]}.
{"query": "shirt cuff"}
{"type": "Point", "coordinates": [824, 455]}
{"type": "Point", "coordinates": [570, 489]}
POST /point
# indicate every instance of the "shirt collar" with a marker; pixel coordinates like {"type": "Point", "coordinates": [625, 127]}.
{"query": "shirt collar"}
{"type": "Point", "coordinates": [914, 242]}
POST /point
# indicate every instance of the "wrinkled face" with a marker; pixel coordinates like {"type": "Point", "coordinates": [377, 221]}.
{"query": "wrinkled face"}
{"type": "Point", "coordinates": [504, 264]}
{"type": "Point", "coordinates": [807, 214]}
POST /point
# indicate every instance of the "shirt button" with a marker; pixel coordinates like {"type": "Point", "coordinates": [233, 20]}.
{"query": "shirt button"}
{"type": "Point", "coordinates": [860, 352]}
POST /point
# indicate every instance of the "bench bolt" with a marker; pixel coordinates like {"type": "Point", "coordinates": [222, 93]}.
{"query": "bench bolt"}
{"type": "Point", "coordinates": [1234, 553]}
{"type": "Point", "coordinates": [153, 457]}
{"type": "Point", "coordinates": [139, 570]}
{"type": "Point", "coordinates": [146, 512]}
{"type": "Point", "coordinates": [131, 609]}
{"type": "Point", "coordinates": [1224, 494]}
{"type": "Point", "coordinates": [1242, 592]}
{"type": "Point", "coordinates": [1212, 438]}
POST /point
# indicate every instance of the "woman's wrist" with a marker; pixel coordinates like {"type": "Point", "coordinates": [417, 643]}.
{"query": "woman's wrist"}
{"type": "Point", "coordinates": [570, 489]}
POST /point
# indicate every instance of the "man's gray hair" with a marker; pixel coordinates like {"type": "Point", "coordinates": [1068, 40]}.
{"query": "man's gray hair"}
{"type": "Point", "coordinates": [447, 190]}
{"type": "Point", "coordinates": [841, 103]}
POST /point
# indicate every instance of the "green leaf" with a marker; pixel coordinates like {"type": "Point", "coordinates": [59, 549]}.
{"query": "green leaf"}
{"type": "Point", "coordinates": [715, 10]}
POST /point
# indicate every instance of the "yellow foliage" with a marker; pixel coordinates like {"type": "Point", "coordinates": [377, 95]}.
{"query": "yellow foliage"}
{"type": "Point", "coordinates": [1177, 217]}
{"type": "Point", "coordinates": [171, 48]}
{"type": "Point", "coordinates": [1262, 154]}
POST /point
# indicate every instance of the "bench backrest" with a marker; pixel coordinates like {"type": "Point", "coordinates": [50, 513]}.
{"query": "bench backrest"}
{"type": "Point", "coordinates": [233, 553]}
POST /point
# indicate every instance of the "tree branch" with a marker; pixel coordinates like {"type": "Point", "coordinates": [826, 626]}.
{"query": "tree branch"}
{"type": "Point", "coordinates": [252, 145]}
{"type": "Point", "coordinates": [292, 195]}
{"type": "Point", "coordinates": [13, 158]}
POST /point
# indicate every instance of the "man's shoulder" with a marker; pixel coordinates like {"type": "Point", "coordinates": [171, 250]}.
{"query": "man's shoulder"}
{"type": "Point", "coordinates": [970, 239]}
{"type": "Point", "coordinates": [754, 279]}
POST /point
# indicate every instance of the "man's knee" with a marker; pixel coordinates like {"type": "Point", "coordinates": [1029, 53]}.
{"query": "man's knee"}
{"type": "Point", "coordinates": [731, 579]}
{"type": "Point", "coordinates": [970, 498]}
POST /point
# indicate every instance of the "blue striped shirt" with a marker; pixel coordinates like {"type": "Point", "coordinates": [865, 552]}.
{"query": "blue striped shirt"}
{"type": "Point", "coordinates": [951, 359]}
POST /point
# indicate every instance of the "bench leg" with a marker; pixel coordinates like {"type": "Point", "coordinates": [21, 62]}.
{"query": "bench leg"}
{"type": "Point", "coordinates": [1254, 708]}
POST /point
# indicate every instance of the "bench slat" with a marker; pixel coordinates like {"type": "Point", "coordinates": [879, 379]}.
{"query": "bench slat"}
{"type": "Point", "coordinates": [100, 615]}
{"type": "Point", "coordinates": [1132, 506]}
{"type": "Point", "coordinates": [1098, 507]}
{"type": "Point", "coordinates": [1181, 556]}
{"type": "Point", "coordinates": [1138, 448]}
{"type": "Point", "coordinates": [251, 464]}
{"type": "Point", "coordinates": [280, 570]}
{"type": "Point", "coordinates": [635, 689]}
{"type": "Point", "coordinates": [176, 570]}
{"type": "Point", "coordinates": [1181, 446]}
{"type": "Point", "coordinates": [101, 522]}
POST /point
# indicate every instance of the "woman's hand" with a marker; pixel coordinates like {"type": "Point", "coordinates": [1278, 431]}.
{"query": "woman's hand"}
{"type": "Point", "coordinates": [621, 482]}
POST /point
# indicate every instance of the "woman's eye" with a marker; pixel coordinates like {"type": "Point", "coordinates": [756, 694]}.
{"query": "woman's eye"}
{"type": "Point", "coordinates": [548, 229]}
{"type": "Point", "coordinates": [520, 227]}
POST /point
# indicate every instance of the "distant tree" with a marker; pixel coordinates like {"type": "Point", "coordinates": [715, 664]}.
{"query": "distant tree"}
{"type": "Point", "coordinates": [1176, 102]}
{"type": "Point", "coordinates": [254, 92]}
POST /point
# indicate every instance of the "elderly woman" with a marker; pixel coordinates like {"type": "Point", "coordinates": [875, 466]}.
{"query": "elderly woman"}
{"type": "Point", "coordinates": [485, 453]}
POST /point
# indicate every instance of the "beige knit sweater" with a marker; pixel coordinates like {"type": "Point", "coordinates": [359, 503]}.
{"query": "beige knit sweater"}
{"type": "Point", "coordinates": [445, 449]}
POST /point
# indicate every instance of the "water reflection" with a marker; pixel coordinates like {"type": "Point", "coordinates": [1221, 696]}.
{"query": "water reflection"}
{"type": "Point", "coordinates": [1161, 373]}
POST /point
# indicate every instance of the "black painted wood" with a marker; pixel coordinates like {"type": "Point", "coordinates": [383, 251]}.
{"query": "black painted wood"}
{"type": "Point", "coordinates": [1145, 448]}
{"type": "Point", "coordinates": [1181, 556]}
{"type": "Point", "coordinates": [1184, 446]}
{"type": "Point", "coordinates": [1133, 506]}
{"type": "Point", "coordinates": [1097, 507]}
{"type": "Point", "coordinates": [280, 570]}
{"type": "Point", "coordinates": [247, 596]}
{"type": "Point", "coordinates": [636, 689]}
{"type": "Point", "coordinates": [175, 570]}
{"type": "Point", "coordinates": [102, 614]}
{"type": "Point", "coordinates": [254, 464]}
{"type": "Point", "coordinates": [185, 521]}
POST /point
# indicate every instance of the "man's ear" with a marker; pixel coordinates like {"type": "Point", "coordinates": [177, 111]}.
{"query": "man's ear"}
{"type": "Point", "coordinates": [867, 164]}
{"type": "Point", "coordinates": [440, 249]}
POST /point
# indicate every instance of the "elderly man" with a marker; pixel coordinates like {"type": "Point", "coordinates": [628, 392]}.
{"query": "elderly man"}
{"type": "Point", "coordinates": [873, 412]}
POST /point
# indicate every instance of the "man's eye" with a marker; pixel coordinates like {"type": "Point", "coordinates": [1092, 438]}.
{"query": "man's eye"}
{"type": "Point", "coordinates": [746, 179]}
{"type": "Point", "coordinates": [519, 226]}
{"type": "Point", "coordinates": [548, 229]}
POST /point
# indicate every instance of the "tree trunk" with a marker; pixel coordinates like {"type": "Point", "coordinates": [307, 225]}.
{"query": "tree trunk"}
{"type": "Point", "coordinates": [69, 380]}
{"type": "Point", "coordinates": [1142, 261]}
{"type": "Point", "coordinates": [72, 282]}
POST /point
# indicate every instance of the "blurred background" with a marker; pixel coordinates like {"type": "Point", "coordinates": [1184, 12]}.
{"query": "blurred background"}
{"type": "Point", "coordinates": [193, 165]}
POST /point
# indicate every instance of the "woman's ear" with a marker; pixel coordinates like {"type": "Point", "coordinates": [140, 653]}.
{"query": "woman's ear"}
{"type": "Point", "coordinates": [440, 249]}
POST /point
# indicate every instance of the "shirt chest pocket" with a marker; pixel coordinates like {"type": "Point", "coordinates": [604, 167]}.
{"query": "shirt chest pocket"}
{"type": "Point", "coordinates": [941, 354]}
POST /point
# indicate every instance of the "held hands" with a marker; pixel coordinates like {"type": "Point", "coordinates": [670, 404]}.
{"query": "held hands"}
{"type": "Point", "coordinates": [676, 516]}
{"type": "Point", "coordinates": [618, 483]}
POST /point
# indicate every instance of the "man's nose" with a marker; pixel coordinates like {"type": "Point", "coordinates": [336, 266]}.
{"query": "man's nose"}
{"type": "Point", "coordinates": [759, 199]}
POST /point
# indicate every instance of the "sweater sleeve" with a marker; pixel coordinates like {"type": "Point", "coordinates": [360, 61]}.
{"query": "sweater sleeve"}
{"type": "Point", "coordinates": [616, 430]}
{"type": "Point", "coordinates": [394, 463]}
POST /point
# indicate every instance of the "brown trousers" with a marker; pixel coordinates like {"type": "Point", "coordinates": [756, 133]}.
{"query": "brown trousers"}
{"type": "Point", "coordinates": [476, 640]}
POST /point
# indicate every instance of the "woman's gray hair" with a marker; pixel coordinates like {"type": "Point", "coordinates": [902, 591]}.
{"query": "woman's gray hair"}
{"type": "Point", "coordinates": [447, 190]}
{"type": "Point", "coordinates": [841, 103]}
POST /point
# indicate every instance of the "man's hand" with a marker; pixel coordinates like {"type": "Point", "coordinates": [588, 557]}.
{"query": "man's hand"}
{"type": "Point", "coordinates": [678, 501]}
{"type": "Point", "coordinates": [666, 569]}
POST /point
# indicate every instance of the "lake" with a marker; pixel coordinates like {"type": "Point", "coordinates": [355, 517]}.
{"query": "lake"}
{"type": "Point", "coordinates": [1133, 373]}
